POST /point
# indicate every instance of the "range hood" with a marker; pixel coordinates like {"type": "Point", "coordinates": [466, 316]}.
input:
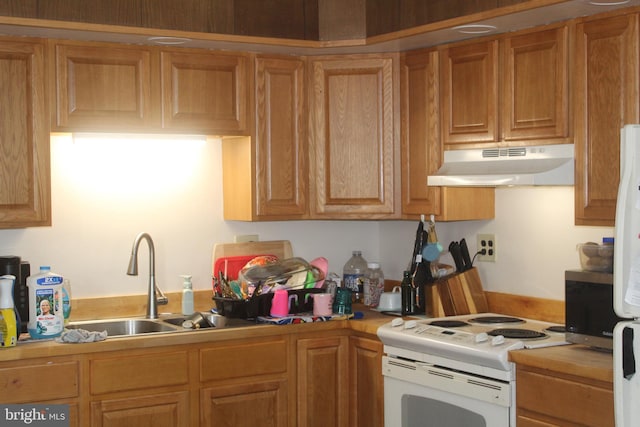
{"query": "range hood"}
{"type": "Point", "coordinates": [510, 166]}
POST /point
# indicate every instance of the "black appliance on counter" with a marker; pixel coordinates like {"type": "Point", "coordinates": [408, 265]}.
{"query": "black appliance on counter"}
{"type": "Point", "coordinates": [21, 270]}
{"type": "Point", "coordinates": [589, 315]}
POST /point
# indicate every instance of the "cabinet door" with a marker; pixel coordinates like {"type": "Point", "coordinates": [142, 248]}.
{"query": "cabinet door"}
{"type": "Point", "coordinates": [606, 98]}
{"type": "Point", "coordinates": [260, 402]}
{"type": "Point", "coordinates": [104, 87]}
{"type": "Point", "coordinates": [322, 393]}
{"type": "Point", "coordinates": [535, 97]}
{"type": "Point", "coordinates": [158, 410]}
{"type": "Point", "coordinates": [204, 92]}
{"type": "Point", "coordinates": [353, 134]}
{"type": "Point", "coordinates": [25, 182]}
{"type": "Point", "coordinates": [420, 149]}
{"type": "Point", "coordinates": [367, 385]}
{"type": "Point", "coordinates": [470, 93]}
{"type": "Point", "coordinates": [281, 145]}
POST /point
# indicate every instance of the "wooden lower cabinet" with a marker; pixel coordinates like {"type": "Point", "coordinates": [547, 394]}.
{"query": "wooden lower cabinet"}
{"type": "Point", "coordinates": [158, 410]}
{"type": "Point", "coordinates": [22, 382]}
{"type": "Point", "coordinates": [323, 381]}
{"type": "Point", "coordinates": [260, 402]}
{"type": "Point", "coordinates": [548, 398]}
{"type": "Point", "coordinates": [366, 382]}
{"type": "Point", "coordinates": [322, 378]}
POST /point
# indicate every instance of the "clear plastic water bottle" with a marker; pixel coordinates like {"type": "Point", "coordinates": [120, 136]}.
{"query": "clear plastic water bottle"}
{"type": "Point", "coordinates": [353, 275]}
{"type": "Point", "coordinates": [373, 284]}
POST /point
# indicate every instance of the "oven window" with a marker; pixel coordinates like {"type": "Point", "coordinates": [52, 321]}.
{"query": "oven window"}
{"type": "Point", "coordinates": [418, 411]}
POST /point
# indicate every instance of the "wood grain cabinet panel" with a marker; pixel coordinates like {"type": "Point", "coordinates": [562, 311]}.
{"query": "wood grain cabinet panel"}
{"type": "Point", "coordinates": [546, 398]}
{"type": "Point", "coordinates": [204, 92]}
{"type": "Point", "coordinates": [606, 98]}
{"type": "Point", "coordinates": [25, 182]}
{"type": "Point", "coordinates": [366, 382]}
{"type": "Point", "coordinates": [104, 87]}
{"type": "Point", "coordinates": [259, 402]}
{"type": "Point", "coordinates": [281, 146]}
{"type": "Point", "coordinates": [353, 137]}
{"type": "Point", "coordinates": [535, 94]}
{"type": "Point", "coordinates": [322, 381]}
{"type": "Point", "coordinates": [157, 410]}
{"type": "Point", "coordinates": [470, 93]}
{"type": "Point", "coordinates": [421, 148]}
{"type": "Point", "coordinates": [23, 382]}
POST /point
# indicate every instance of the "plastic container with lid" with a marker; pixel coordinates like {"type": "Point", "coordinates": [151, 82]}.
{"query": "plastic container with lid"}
{"type": "Point", "coordinates": [353, 275]}
{"type": "Point", "coordinates": [373, 284]}
{"type": "Point", "coordinates": [46, 312]}
{"type": "Point", "coordinates": [597, 257]}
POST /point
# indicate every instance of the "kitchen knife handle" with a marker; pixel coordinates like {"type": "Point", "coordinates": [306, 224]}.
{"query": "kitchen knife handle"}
{"type": "Point", "coordinates": [466, 258]}
{"type": "Point", "coordinates": [456, 254]}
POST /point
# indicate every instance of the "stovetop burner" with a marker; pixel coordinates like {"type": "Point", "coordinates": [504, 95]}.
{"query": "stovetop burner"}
{"type": "Point", "coordinates": [449, 323]}
{"type": "Point", "coordinates": [517, 333]}
{"type": "Point", "coordinates": [495, 319]}
{"type": "Point", "coordinates": [558, 329]}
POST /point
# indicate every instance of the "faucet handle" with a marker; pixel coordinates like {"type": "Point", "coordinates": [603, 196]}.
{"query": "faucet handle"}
{"type": "Point", "coordinates": [162, 300]}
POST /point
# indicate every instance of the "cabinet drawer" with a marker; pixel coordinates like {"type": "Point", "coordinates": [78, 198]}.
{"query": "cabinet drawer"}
{"type": "Point", "coordinates": [243, 360]}
{"type": "Point", "coordinates": [137, 372]}
{"type": "Point", "coordinates": [582, 403]}
{"type": "Point", "coordinates": [25, 383]}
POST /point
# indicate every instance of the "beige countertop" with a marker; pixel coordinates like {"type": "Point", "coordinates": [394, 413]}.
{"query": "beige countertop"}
{"type": "Point", "coordinates": [577, 360]}
{"type": "Point", "coordinates": [49, 348]}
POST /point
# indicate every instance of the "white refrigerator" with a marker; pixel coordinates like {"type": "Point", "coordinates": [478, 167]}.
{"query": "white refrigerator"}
{"type": "Point", "coordinates": [626, 283]}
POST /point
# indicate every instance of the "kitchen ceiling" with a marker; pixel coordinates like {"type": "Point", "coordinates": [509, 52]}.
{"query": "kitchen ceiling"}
{"type": "Point", "coordinates": [502, 19]}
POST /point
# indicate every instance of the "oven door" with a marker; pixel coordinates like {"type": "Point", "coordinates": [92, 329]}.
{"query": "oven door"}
{"type": "Point", "coordinates": [422, 395]}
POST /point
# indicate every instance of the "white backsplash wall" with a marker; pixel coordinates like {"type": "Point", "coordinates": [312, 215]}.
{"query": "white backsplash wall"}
{"type": "Point", "coordinates": [535, 241]}
{"type": "Point", "coordinates": [102, 198]}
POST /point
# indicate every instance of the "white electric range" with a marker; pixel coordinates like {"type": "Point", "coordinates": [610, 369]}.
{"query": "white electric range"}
{"type": "Point", "coordinates": [455, 371]}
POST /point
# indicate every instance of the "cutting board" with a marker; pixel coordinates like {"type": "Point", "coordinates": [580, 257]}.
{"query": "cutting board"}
{"type": "Point", "coordinates": [280, 248]}
{"type": "Point", "coordinates": [462, 293]}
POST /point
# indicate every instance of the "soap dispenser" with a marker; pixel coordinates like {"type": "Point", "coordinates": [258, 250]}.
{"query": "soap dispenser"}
{"type": "Point", "coordinates": [187, 295]}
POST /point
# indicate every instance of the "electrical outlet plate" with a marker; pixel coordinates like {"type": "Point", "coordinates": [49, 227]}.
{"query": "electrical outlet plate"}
{"type": "Point", "coordinates": [243, 238]}
{"type": "Point", "coordinates": [487, 243]}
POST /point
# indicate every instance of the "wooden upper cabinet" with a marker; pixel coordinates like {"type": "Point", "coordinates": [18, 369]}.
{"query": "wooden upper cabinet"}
{"type": "Point", "coordinates": [510, 90]}
{"type": "Point", "coordinates": [266, 177]}
{"type": "Point", "coordinates": [25, 182]}
{"type": "Point", "coordinates": [536, 94]}
{"type": "Point", "coordinates": [104, 87]}
{"type": "Point", "coordinates": [421, 148]}
{"type": "Point", "coordinates": [205, 91]}
{"type": "Point", "coordinates": [353, 136]}
{"type": "Point", "coordinates": [281, 146]}
{"type": "Point", "coordinates": [606, 98]}
{"type": "Point", "coordinates": [470, 93]}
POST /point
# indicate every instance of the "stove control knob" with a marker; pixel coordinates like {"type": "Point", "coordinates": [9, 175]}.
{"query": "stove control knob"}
{"type": "Point", "coordinates": [397, 322]}
{"type": "Point", "coordinates": [482, 337]}
{"type": "Point", "coordinates": [497, 340]}
{"type": "Point", "coordinates": [410, 324]}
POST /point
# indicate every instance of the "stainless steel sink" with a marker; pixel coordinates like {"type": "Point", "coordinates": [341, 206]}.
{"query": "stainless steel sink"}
{"type": "Point", "coordinates": [125, 327]}
{"type": "Point", "coordinates": [164, 325]}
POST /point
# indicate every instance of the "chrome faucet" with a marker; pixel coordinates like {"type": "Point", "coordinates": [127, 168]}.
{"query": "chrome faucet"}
{"type": "Point", "coordinates": [152, 300]}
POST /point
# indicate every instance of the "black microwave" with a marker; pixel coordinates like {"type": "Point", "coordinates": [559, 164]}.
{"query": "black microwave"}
{"type": "Point", "coordinates": [589, 314]}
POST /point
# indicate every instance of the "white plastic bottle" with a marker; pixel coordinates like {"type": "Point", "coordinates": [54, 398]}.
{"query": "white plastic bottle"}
{"type": "Point", "coordinates": [187, 295]}
{"type": "Point", "coordinates": [373, 284]}
{"type": "Point", "coordinates": [8, 321]}
{"type": "Point", "coordinates": [353, 275]}
{"type": "Point", "coordinates": [46, 312]}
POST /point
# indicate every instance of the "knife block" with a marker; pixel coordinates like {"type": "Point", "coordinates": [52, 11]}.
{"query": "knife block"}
{"type": "Point", "coordinates": [459, 293]}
